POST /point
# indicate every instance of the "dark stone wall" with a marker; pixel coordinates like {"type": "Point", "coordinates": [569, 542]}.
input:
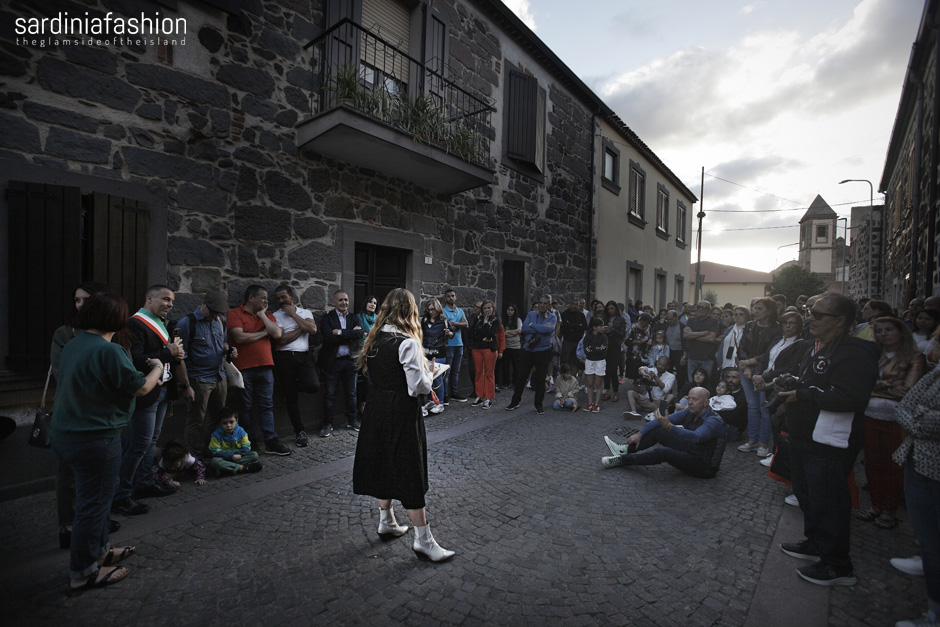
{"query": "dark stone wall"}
{"type": "Point", "coordinates": [244, 203]}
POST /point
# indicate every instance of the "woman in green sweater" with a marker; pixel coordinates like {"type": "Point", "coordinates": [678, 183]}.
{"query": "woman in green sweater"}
{"type": "Point", "coordinates": [97, 385]}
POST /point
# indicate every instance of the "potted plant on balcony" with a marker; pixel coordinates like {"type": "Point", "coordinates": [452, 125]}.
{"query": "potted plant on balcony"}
{"type": "Point", "coordinates": [346, 88]}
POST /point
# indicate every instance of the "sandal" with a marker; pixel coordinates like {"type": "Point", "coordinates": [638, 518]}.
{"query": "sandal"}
{"type": "Point", "coordinates": [869, 514]}
{"type": "Point", "coordinates": [116, 555]}
{"type": "Point", "coordinates": [102, 578]}
{"type": "Point", "coordinates": [886, 521]}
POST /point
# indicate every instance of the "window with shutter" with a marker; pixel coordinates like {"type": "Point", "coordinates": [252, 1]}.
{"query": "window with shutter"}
{"type": "Point", "coordinates": [525, 108]}
{"type": "Point", "coordinates": [662, 211]}
{"type": "Point", "coordinates": [636, 201]}
{"type": "Point", "coordinates": [60, 238]}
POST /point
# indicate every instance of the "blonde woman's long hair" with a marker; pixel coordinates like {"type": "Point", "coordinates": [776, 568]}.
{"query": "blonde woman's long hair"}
{"type": "Point", "coordinates": [399, 310]}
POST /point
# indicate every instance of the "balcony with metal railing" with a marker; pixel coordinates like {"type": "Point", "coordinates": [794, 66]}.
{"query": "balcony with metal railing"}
{"type": "Point", "coordinates": [378, 108]}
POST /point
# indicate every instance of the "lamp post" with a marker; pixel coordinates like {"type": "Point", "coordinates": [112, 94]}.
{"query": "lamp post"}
{"type": "Point", "coordinates": [845, 235]}
{"type": "Point", "coordinates": [700, 216]}
{"type": "Point", "coordinates": [777, 255]}
{"type": "Point", "coordinates": [871, 210]}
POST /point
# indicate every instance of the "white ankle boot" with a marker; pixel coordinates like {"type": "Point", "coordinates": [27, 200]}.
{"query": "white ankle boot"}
{"type": "Point", "coordinates": [388, 526]}
{"type": "Point", "coordinates": [426, 547]}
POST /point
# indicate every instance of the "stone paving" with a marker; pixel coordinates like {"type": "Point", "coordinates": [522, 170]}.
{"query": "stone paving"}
{"type": "Point", "coordinates": [543, 534]}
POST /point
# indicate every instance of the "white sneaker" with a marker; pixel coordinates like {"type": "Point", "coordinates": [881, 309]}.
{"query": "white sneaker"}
{"type": "Point", "coordinates": [650, 417]}
{"type": "Point", "coordinates": [767, 461]}
{"type": "Point", "coordinates": [764, 451]}
{"type": "Point", "coordinates": [792, 500]}
{"type": "Point", "coordinates": [909, 565]}
{"type": "Point", "coordinates": [747, 447]}
{"type": "Point", "coordinates": [436, 408]}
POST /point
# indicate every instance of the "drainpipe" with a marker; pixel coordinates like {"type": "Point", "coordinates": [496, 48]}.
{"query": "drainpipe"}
{"type": "Point", "coordinates": [595, 133]}
{"type": "Point", "coordinates": [915, 193]}
{"type": "Point", "coordinates": [933, 201]}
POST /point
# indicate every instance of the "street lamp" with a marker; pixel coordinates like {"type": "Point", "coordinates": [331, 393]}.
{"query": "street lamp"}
{"type": "Point", "coordinates": [871, 210]}
{"type": "Point", "coordinates": [777, 255]}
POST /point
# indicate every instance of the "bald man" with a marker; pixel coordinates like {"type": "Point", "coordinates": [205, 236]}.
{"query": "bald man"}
{"type": "Point", "coordinates": [692, 440]}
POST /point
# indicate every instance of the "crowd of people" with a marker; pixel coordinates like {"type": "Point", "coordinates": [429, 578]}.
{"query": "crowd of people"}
{"type": "Point", "coordinates": [810, 384]}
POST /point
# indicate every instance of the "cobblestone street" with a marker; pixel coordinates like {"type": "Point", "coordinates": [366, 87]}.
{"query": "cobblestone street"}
{"type": "Point", "coordinates": [543, 534]}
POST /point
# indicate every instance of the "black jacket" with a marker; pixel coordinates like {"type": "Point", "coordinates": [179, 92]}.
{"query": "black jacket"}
{"type": "Point", "coordinates": [145, 344]}
{"type": "Point", "coordinates": [332, 342]}
{"type": "Point", "coordinates": [835, 387]}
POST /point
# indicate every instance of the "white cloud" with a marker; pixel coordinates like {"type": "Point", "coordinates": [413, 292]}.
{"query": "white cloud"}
{"type": "Point", "coordinates": [785, 112]}
{"type": "Point", "coordinates": [522, 9]}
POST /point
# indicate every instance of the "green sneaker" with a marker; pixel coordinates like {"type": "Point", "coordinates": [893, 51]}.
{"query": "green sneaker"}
{"type": "Point", "coordinates": [615, 449]}
{"type": "Point", "coordinates": [612, 462]}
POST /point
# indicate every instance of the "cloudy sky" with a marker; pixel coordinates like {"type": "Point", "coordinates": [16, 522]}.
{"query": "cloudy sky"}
{"type": "Point", "coordinates": [782, 100]}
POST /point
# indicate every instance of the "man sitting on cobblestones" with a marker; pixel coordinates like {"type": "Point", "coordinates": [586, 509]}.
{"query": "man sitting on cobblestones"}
{"type": "Point", "coordinates": [692, 440]}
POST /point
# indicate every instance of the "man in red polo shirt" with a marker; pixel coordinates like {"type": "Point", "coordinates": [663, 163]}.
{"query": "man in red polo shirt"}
{"type": "Point", "coordinates": [251, 329]}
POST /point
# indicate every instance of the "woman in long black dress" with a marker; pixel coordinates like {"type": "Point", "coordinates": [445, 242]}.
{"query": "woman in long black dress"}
{"type": "Point", "coordinates": [391, 453]}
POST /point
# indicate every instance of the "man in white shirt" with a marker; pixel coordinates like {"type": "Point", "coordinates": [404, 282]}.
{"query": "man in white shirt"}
{"type": "Point", "coordinates": [660, 381]}
{"type": "Point", "coordinates": [294, 370]}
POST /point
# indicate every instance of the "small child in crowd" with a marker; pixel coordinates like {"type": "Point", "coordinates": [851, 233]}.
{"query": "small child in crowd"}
{"type": "Point", "coordinates": [566, 390]}
{"type": "Point", "coordinates": [175, 460]}
{"type": "Point", "coordinates": [659, 349]}
{"type": "Point", "coordinates": [595, 364]}
{"type": "Point", "coordinates": [722, 400]}
{"type": "Point", "coordinates": [230, 448]}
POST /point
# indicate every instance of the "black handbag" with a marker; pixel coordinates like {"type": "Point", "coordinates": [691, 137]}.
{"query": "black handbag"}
{"type": "Point", "coordinates": [42, 424]}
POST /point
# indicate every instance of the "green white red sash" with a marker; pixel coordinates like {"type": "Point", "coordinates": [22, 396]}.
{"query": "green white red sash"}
{"type": "Point", "coordinates": [154, 324]}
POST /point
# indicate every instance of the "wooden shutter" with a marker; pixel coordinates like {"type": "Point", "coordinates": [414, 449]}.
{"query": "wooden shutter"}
{"type": "Point", "coordinates": [45, 266]}
{"type": "Point", "coordinates": [523, 98]}
{"type": "Point", "coordinates": [342, 50]}
{"type": "Point", "coordinates": [436, 49]}
{"type": "Point", "coordinates": [118, 257]}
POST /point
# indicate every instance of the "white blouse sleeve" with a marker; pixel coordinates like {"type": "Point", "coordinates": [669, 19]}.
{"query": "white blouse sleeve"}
{"type": "Point", "coordinates": [411, 356]}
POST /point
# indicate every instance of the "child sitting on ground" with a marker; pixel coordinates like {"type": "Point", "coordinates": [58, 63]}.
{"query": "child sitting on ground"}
{"type": "Point", "coordinates": [566, 389]}
{"type": "Point", "coordinates": [722, 400]}
{"type": "Point", "coordinates": [230, 448]}
{"type": "Point", "coordinates": [175, 460]}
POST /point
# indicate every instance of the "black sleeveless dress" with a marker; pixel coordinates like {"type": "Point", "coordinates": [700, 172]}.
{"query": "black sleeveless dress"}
{"type": "Point", "coordinates": [391, 453]}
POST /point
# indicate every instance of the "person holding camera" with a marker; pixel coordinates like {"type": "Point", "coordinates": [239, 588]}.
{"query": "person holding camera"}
{"type": "Point", "coordinates": [537, 331]}
{"type": "Point", "coordinates": [692, 440]}
{"type": "Point", "coordinates": [660, 383]}
{"type": "Point", "coordinates": [825, 417]}
{"type": "Point", "coordinates": [205, 344]}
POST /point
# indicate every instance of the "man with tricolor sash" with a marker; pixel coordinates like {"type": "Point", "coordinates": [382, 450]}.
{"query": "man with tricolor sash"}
{"type": "Point", "coordinates": [149, 340]}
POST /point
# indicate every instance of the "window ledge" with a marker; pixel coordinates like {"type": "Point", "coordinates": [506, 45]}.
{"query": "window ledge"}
{"type": "Point", "coordinates": [661, 234]}
{"type": "Point", "coordinates": [610, 186]}
{"type": "Point", "coordinates": [636, 220]}
{"type": "Point", "coordinates": [680, 244]}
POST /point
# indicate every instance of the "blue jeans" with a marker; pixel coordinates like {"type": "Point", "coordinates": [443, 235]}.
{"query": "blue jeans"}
{"type": "Point", "coordinates": [566, 403]}
{"type": "Point", "coordinates": [758, 418]}
{"type": "Point", "coordinates": [708, 365]}
{"type": "Point", "coordinates": [923, 506]}
{"type": "Point", "coordinates": [454, 359]}
{"type": "Point", "coordinates": [820, 482]}
{"type": "Point", "coordinates": [343, 369]}
{"type": "Point", "coordinates": [95, 465]}
{"type": "Point", "coordinates": [672, 451]}
{"type": "Point", "coordinates": [140, 441]}
{"type": "Point", "coordinates": [258, 395]}
{"type": "Point", "coordinates": [437, 386]}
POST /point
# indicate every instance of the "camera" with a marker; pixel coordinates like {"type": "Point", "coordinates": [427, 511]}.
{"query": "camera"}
{"type": "Point", "coordinates": [784, 383]}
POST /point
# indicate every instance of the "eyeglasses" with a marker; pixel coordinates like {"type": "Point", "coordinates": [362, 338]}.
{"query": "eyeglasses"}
{"type": "Point", "coordinates": [819, 315]}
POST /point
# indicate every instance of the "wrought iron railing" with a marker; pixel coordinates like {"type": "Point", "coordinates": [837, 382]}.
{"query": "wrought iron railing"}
{"type": "Point", "coordinates": [359, 69]}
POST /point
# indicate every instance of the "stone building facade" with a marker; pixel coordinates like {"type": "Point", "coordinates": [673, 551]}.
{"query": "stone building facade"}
{"type": "Point", "coordinates": [867, 258]}
{"type": "Point", "coordinates": [232, 153]}
{"type": "Point", "coordinates": [910, 177]}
